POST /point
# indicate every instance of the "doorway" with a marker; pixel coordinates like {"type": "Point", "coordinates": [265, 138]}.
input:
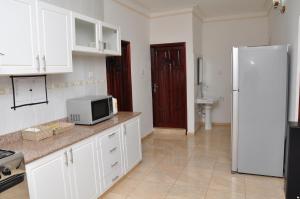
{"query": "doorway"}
{"type": "Point", "coordinates": [119, 77]}
{"type": "Point", "coordinates": [168, 68]}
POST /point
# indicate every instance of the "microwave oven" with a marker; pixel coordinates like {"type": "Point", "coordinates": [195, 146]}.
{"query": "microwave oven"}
{"type": "Point", "coordinates": [90, 110]}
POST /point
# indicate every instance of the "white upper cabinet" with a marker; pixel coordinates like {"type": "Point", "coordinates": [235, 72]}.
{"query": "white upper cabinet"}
{"type": "Point", "coordinates": [110, 39]}
{"type": "Point", "coordinates": [18, 37]}
{"type": "Point", "coordinates": [55, 39]}
{"type": "Point", "coordinates": [85, 34]}
{"type": "Point", "coordinates": [93, 36]}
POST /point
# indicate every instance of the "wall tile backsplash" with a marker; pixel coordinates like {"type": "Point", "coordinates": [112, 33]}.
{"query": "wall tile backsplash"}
{"type": "Point", "coordinates": [88, 78]}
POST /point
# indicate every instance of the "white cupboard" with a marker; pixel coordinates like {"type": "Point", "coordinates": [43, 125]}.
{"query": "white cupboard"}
{"type": "Point", "coordinates": [18, 37]}
{"type": "Point", "coordinates": [49, 177]}
{"type": "Point", "coordinates": [68, 174]}
{"type": "Point", "coordinates": [132, 144]}
{"type": "Point", "coordinates": [84, 170]}
{"type": "Point", "coordinates": [55, 39]}
{"type": "Point", "coordinates": [87, 169]}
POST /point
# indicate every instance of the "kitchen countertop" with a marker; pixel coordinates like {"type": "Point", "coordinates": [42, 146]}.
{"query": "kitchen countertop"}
{"type": "Point", "coordinates": [34, 150]}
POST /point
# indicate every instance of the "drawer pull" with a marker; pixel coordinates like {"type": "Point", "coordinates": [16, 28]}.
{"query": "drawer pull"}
{"type": "Point", "coordinates": [112, 150]}
{"type": "Point", "coordinates": [111, 135]}
{"type": "Point", "coordinates": [115, 178]}
{"type": "Point", "coordinates": [114, 164]}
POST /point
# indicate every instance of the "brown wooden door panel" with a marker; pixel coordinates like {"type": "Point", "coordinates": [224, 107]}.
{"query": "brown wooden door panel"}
{"type": "Point", "coordinates": [119, 78]}
{"type": "Point", "coordinates": [169, 85]}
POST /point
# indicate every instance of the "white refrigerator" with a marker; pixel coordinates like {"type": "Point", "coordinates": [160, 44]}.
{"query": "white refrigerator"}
{"type": "Point", "coordinates": [259, 109]}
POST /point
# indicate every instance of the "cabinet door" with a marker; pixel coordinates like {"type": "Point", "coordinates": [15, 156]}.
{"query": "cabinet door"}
{"type": "Point", "coordinates": [84, 170]}
{"type": "Point", "coordinates": [110, 39]}
{"type": "Point", "coordinates": [132, 146]}
{"type": "Point", "coordinates": [48, 178]}
{"type": "Point", "coordinates": [18, 37]}
{"type": "Point", "coordinates": [85, 34]}
{"type": "Point", "coordinates": [55, 39]}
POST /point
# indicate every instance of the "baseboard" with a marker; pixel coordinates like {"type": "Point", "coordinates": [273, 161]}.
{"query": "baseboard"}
{"type": "Point", "coordinates": [147, 135]}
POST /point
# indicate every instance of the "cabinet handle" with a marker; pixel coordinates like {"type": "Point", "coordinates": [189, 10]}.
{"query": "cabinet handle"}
{"type": "Point", "coordinates": [2, 54]}
{"type": "Point", "coordinates": [114, 164]}
{"type": "Point", "coordinates": [111, 135]}
{"type": "Point", "coordinates": [112, 150]}
{"type": "Point", "coordinates": [66, 159]}
{"type": "Point", "coordinates": [71, 157]}
{"type": "Point", "coordinates": [38, 62]}
{"type": "Point", "coordinates": [115, 178]}
{"type": "Point", "coordinates": [44, 61]}
{"type": "Point", "coordinates": [125, 130]}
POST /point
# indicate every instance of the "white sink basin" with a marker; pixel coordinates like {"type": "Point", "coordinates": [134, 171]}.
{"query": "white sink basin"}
{"type": "Point", "coordinates": [206, 101]}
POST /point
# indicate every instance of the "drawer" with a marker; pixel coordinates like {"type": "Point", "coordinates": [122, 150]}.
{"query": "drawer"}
{"type": "Point", "coordinates": [111, 158]}
{"type": "Point", "coordinates": [113, 177]}
{"type": "Point", "coordinates": [111, 140]}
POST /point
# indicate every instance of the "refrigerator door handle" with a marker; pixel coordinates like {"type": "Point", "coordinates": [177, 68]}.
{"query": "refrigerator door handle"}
{"type": "Point", "coordinates": [234, 131]}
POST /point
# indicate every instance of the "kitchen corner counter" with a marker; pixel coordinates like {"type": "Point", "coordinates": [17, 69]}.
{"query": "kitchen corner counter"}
{"type": "Point", "coordinates": [34, 150]}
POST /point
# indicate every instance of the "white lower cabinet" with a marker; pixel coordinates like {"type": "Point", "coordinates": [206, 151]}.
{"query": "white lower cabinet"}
{"type": "Point", "coordinates": [89, 168]}
{"type": "Point", "coordinates": [68, 174]}
{"type": "Point", "coordinates": [48, 178]}
{"type": "Point", "coordinates": [132, 144]}
{"type": "Point", "coordinates": [84, 170]}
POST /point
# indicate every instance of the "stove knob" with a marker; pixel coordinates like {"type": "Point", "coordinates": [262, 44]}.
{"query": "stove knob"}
{"type": "Point", "coordinates": [6, 171]}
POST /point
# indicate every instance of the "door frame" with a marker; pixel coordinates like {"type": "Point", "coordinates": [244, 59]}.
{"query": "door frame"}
{"type": "Point", "coordinates": [175, 44]}
{"type": "Point", "coordinates": [128, 59]}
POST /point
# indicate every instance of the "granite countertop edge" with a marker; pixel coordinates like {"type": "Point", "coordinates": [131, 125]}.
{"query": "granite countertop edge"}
{"type": "Point", "coordinates": [34, 150]}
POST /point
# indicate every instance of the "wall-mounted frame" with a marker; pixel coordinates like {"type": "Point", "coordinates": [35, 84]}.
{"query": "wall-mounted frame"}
{"type": "Point", "coordinates": [41, 86]}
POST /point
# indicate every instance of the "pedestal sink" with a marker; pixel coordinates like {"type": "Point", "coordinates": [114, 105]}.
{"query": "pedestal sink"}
{"type": "Point", "coordinates": [207, 102]}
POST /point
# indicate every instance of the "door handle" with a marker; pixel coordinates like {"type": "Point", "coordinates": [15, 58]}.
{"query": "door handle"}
{"type": "Point", "coordinates": [38, 62]}
{"type": "Point", "coordinates": [155, 87]}
{"type": "Point", "coordinates": [44, 61]}
{"type": "Point", "coordinates": [66, 159]}
{"type": "Point", "coordinates": [71, 156]}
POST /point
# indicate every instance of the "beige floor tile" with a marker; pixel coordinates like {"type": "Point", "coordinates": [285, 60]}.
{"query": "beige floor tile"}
{"type": "Point", "coordinates": [149, 190]}
{"type": "Point", "coordinates": [217, 194]}
{"type": "Point", "coordinates": [111, 195]}
{"type": "Point", "coordinates": [224, 181]}
{"type": "Point", "coordinates": [195, 177]}
{"type": "Point", "coordinates": [125, 186]}
{"type": "Point", "coordinates": [186, 192]}
{"type": "Point", "coordinates": [267, 187]}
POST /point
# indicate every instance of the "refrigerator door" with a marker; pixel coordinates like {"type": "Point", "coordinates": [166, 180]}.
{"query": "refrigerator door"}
{"type": "Point", "coordinates": [234, 108]}
{"type": "Point", "coordinates": [262, 109]}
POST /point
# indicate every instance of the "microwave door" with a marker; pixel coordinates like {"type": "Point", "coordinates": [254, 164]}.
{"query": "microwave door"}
{"type": "Point", "coordinates": [100, 110]}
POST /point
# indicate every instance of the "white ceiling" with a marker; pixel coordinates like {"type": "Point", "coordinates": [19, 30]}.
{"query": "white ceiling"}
{"type": "Point", "coordinates": [208, 8]}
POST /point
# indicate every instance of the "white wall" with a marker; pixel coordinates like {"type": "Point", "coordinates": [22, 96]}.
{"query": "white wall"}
{"type": "Point", "coordinates": [91, 8]}
{"type": "Point", "coordinates": [197, 44]}
{"type": "Point", "coordinates": [61, 87]}
{"type": "Point", "coordinates": [172, 29]}
{"type": "Point", "coordinates": [218, 39]}
{"type": "Point", "coordinates": [135, 28]}
{"type": "Point", "coordinates": [284, 29]}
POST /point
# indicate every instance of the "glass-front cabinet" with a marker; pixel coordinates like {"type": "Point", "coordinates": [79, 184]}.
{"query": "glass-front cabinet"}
{"type": "Point", "coordinates": [94, 36]}
{"type": "Point", "coordinates": [85, 34]}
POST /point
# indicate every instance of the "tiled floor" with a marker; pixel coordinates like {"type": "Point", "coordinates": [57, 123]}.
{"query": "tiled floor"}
{"type": "Point", "coordinates": [176, 166]}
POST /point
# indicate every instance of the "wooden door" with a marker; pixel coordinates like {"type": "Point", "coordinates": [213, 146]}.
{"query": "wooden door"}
{"type": "Point", "coordinates": [55, 38]}
{"type": "Point", "coordinates": [84, 170]}
{"type": "Point", "coordinates": [119, 78]}
{"type": "Point", "coordinates": [18, 37]}
{"type": "Point", "coordinates": [49, 179]}
{"type": "Point", "coordinates": [168, 64]}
